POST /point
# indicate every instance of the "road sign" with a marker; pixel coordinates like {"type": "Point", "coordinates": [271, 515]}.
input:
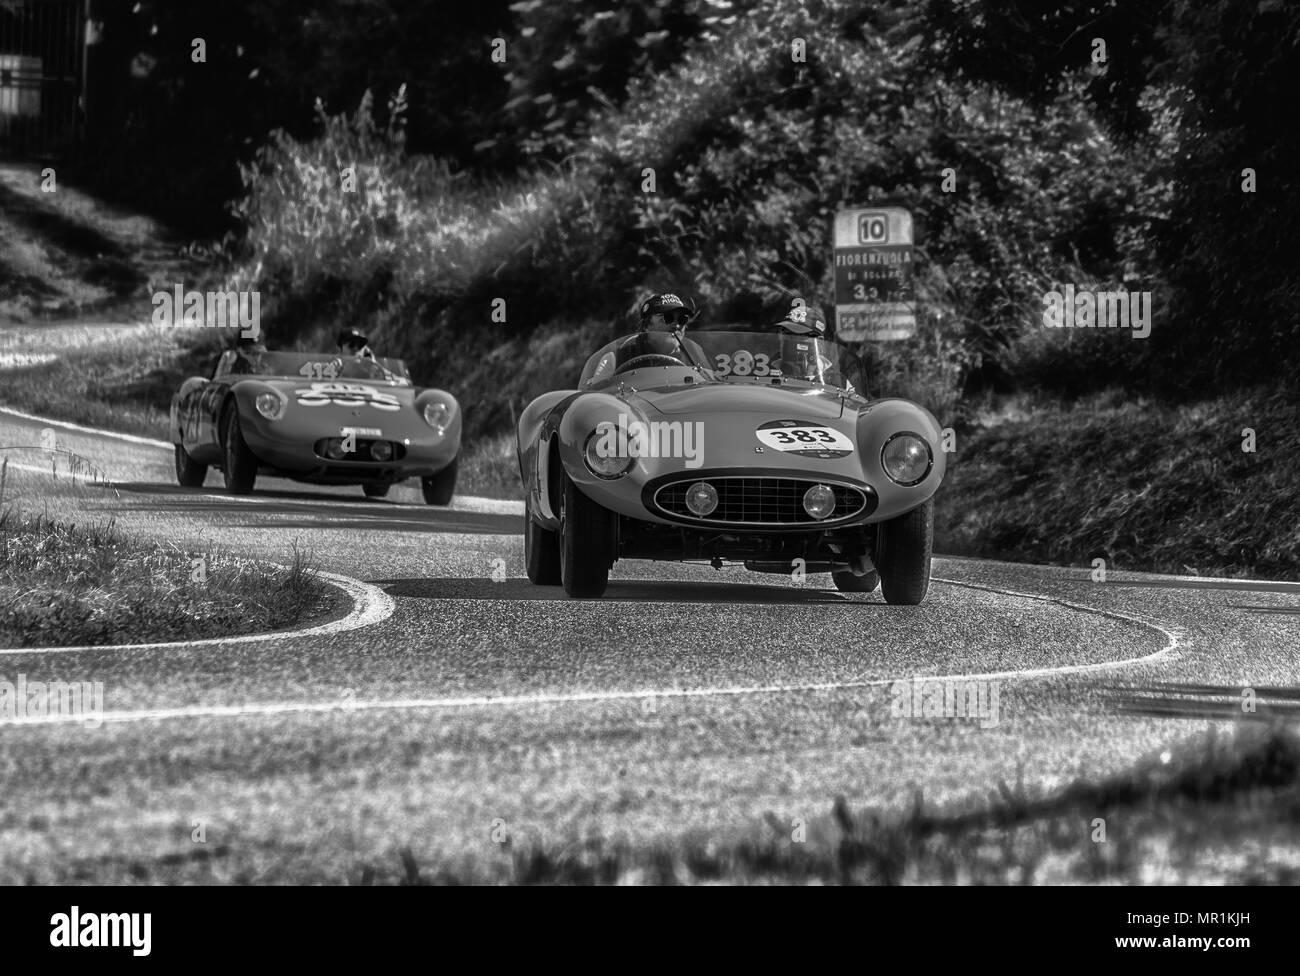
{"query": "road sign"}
{"type": "Point", "coordinates": [874, 298]}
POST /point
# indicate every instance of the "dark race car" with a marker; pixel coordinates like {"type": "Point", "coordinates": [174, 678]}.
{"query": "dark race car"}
{"type": "Point", "coordinates": [729, 444]}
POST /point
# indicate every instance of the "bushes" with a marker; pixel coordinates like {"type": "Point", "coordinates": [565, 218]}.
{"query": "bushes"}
{"type": "Point", "coordinates": [749, 154]}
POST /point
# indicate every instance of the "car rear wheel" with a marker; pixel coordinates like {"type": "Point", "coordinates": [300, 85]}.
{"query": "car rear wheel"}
{"type": "Point", "coordinates": [848, 582]}
{"type": "Point", "coordinates": [438, 488]}
{"type": "Point", "coordinates": [189, 473]}
{"type": "Point", "coordinates": [587, 544]}
{"type": "Point", "coordinates": [903, 548]}
{"type": "Point", "coordinates": [240, 467]}
{"type": "Point", "coordinates": [376, 489]}
{"type": "Point", "coordinates": [541, 553]}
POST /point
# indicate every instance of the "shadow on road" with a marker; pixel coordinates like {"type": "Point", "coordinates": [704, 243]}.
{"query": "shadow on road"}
{"type": "Point", "coordinates": [620, 591]}
{"type": "Point", "coordinates": [1189, 701]}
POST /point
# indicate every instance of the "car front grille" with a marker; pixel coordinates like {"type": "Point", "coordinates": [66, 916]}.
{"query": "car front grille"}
{"type": "Point", "coordinates": [760, 501]}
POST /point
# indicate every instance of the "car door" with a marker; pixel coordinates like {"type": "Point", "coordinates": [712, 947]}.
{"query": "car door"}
{"type": "Point", "coordinates": [207, 412]}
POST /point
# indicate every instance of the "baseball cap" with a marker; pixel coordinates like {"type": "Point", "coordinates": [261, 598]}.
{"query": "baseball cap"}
{"type": "Point", "coordinates": [803, 319]}
{"type": "Point", "coordinates": [661, 303]}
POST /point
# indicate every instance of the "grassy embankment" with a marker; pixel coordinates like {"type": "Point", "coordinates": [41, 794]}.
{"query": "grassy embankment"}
{"type": "Point", "coordinates": [78, 584]}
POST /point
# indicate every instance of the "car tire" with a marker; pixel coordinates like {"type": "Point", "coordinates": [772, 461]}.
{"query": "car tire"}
{"type": "Point", "coordinates": [376, 489]}
{"type": "Point", "coordinates": [847, 581]}
{"type": "Point", "coordinates": [903, 548]}
{"type": "Point", "coordinates": [439, 488]}
{"type": "Point", "coordinates": [240, 467]}
{"type": "Point", "coordinates": [587, 544]}
{"type": "Point", "coordinates": [541, 553]}
{"type": "Point", "coordinates": [189, 473]}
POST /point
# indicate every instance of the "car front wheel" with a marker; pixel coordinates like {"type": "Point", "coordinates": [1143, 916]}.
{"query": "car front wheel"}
{"type": "Point", "coordinates": [541, 553]}
{"type": "Point", "coordinates": [587, 544]}
{"type": "Point", "coordinates": [438, 488]}
{"type": "Point", "coordinates": [189, 473]}
{"type": "Point", "coordinates": [240, 468]}
{"type": "Point", "coordinates": [903, 548]}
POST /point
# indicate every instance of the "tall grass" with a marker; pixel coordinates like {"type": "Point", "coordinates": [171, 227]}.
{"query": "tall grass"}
{"type": "Point", "coordinates": [67, 583]}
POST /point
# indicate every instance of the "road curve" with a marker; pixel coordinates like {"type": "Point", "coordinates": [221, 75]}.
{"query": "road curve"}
{"type": "Point", "coordinates": [688, 700]}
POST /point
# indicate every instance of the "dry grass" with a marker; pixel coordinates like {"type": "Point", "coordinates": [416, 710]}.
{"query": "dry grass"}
{"type": "Point", "coordinates": [87, 583]}
{"type": "Point", "coordinates": [1146, 485]}
{"type": "Point", "coordinates": [490, 467]}
{"type": "Point", "coordinates": [1180, 819]}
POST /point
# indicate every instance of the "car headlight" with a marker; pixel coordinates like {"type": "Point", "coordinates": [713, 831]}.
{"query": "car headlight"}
{"type": "Point", "coordinates": [269, 405]}
{"type": "Point", "coordinates": [606, 452]}
{"type": "Point", "coordinates": [438, 416]}
{"type": "Point", "coordinates": [819, 501]}
{"type": "Point", "coordinates": [701, 498]}
{"type": "Point", "coordinates": [906, 458]}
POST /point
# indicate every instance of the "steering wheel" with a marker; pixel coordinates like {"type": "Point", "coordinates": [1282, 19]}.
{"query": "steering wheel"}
{"type": "Point", "coordinates": [649, 359]}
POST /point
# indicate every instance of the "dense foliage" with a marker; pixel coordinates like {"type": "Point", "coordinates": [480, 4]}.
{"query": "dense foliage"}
{"type": "Point", "coordinates": [524, 179]}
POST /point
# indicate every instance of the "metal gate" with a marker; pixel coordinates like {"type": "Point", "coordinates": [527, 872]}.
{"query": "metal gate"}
{"type": "Point", "coordinates": [42, 64]}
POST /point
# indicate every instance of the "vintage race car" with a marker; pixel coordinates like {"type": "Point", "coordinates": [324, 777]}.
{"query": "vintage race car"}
{"type": "Point", "coordinates": [333, 420]}
{"type": "Point", "coordinates": [730, 444]}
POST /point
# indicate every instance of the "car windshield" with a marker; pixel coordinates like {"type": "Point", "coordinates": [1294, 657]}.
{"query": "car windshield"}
{"type": "Point", "coordinates": [742, 356]}
{"type": "Point", "coordinates": [321, 366]}
{"type": "Point", "coordinates": [732, 355]}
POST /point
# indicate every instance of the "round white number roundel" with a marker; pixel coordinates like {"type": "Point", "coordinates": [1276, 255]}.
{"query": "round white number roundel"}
{"type": "Point", "coordinates": [346, 395]}
{"type": "Point", "coordinates": [811, 440]}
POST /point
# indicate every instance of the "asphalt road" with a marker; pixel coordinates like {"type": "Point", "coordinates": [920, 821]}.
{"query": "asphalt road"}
{"type": "Point", "coordinates": [688, 701]}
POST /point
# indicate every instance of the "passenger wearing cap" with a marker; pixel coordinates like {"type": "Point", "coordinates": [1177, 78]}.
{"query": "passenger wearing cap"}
{"type": "Point", "coordinates": [355, 344]}
{"type": "Point", "coordinates": [247, 355]}
{"type": "Point", "coordinates": [363, 363]}
{"type": "Point", "coordinates": [802, 327]}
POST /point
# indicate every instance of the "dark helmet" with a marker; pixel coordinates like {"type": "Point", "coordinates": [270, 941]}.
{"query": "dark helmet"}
{"type": "Point", "coordinates": [352, 339]}
{"type": "Point", "coordinates": [672, 308]}
{"type": "Point", "coordinates": [801, 318]}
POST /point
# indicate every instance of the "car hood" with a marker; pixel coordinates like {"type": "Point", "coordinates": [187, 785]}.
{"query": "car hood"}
{"type": "Point", "coordinates": [805, 403]}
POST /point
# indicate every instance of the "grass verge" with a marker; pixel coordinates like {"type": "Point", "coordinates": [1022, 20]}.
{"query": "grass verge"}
{"type": "Point", "coordinates": [115, 379]}
{"type": "Point", "coordinates": [1226, 809]}
{"type": "Point", "coordinates": [77, 584]}
{"type": "Point", "coordinates": [1143, 484]}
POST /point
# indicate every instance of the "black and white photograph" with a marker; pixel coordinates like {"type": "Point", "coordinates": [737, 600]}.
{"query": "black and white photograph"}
{"type": "Point", "coordinates": [681, 442]}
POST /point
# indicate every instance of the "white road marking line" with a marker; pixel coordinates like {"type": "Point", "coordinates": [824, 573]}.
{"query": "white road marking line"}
{"type": "Point", "coordinates": [48, 422]}
{"type": "Point", "coordinates": [732, 691]}
{"type": "Point", "coordinates": [460, 503]}
{"type": "Point", "coordinates": [469, 505]}
{"type": "Point", "coordinates": [370, 606]}
{"type": "Point", "coordinates": [1127, 577]}
{"type": "Point", "coordinates": [68, 473]}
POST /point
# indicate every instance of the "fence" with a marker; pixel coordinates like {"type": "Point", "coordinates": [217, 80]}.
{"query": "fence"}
{"type": "Point", "coordinates": [42, 67]}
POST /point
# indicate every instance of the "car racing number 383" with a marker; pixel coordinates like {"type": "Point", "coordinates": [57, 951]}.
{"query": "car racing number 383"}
{"type": "Point", "coordinates": [732, 444]}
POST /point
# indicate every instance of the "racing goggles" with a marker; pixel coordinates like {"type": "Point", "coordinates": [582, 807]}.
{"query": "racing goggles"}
{"type": "Point", "coordinates": [672, 317]}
